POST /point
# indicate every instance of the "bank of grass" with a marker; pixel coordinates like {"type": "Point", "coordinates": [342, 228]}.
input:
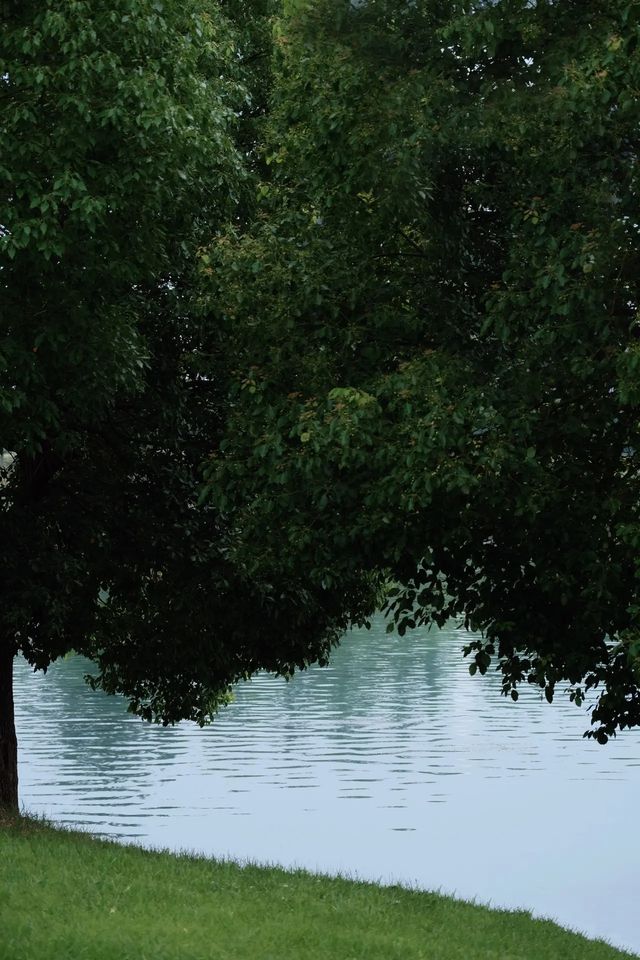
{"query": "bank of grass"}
{"type": "Point", "coordinates": [67, 896]}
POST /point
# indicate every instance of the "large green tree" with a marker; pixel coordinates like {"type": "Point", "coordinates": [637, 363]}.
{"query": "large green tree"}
{"type": "Point", "coordinates": [435, 310]}
{"type": "Point", "coordinates": [125, 139]}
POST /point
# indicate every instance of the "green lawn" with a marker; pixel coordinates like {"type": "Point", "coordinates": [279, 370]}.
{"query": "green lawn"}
{"type": "Point", "coordinates": [66, 896]}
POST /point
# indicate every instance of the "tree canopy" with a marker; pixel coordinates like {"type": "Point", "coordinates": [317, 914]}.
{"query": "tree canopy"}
{"type": "Point", "coordinates": [434, 308]}
{"type": "Point", "coordinates": [371, 270]}
{"type": "Point", "coordinates": [125, 138]}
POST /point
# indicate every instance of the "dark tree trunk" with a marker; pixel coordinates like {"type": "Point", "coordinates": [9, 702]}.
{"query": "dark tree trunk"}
{"type": "Point", "coordinates": [8, 741]}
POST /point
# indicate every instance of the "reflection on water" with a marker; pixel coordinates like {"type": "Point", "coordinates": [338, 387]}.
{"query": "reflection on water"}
{"type": "Point", "coordinates": [392, 763]}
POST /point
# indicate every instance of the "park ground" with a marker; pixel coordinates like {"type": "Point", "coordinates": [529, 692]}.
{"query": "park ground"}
{"type": "Point", "coordinates": [68, 896]}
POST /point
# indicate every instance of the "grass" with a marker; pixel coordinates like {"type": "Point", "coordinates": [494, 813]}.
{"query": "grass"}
{"type": "Point", "coordinates": [68, 896]}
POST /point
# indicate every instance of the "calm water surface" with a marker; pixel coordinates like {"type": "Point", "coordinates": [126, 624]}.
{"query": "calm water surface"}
{"type": "Point", "coordinates": [392, 764]}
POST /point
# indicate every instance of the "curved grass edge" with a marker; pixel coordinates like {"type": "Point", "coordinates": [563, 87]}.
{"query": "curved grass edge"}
{"type": "Point", "coordinates": [67, 894]}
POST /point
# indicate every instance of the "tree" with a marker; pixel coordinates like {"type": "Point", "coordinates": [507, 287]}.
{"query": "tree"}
{"type": "Point", "coordinates": [434, 310]}
{"type": "Point", "coordinates": [123, 147]}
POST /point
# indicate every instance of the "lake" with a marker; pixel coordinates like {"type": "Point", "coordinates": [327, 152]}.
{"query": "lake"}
{"type": "Point", "coordinates": [391, 764]}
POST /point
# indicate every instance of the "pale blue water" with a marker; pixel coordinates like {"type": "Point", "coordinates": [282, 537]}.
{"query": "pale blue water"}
{"type": "Point", "coordinates": [391, 764]}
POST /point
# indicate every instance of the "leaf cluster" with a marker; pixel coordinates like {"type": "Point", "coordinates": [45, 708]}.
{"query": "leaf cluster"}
{"type": "Point", "coordinates": [434, 312]}
{"type": "Point", "coordinates": [124, 131]}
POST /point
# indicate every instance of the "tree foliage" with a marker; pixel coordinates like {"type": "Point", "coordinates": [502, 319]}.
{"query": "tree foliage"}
{"type": "Point", "coordinates": [125, 137]}
{"type": "Point", "coordinates": [375, 264]}
{"type": "Point", "coordinates": [434, 309]}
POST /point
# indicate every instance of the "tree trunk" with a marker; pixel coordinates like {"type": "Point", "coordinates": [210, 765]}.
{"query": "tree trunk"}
{"type": "Point", "coordinates": [8, 741]}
